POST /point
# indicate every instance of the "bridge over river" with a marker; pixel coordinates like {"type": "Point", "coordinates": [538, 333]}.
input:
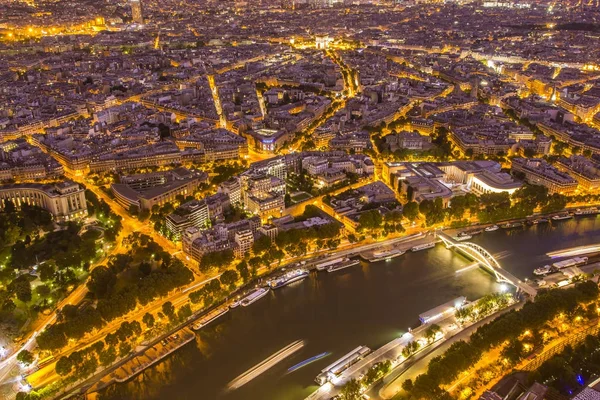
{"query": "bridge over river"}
{"type": "Point", "coordinates": [486, 261]}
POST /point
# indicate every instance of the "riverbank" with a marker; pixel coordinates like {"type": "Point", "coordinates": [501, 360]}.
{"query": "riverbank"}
{"type": "Point", "coordinates": [345, 298]}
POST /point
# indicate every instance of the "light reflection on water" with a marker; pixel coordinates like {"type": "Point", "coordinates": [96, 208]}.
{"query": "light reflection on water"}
{"type": "Point", "coordinates": [364, 305]}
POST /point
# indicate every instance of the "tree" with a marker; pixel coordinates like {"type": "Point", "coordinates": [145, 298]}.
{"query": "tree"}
{"type": "Point", "coordinates": [242, 269]}
{"type": "Point", "coordinates": [229, 278]}
{"type": "Point", "coordinates": [63, 366]}
{"type": "Point", "coordinates": [43, 291]}
{"type": "Point", "coordinates": [351, 390]}
{"type": "Point", "coordinates": [148, 320]}
{"type": "Point", "coordinates": [25, 357]}
{"type": "Point", "coordinates": [108, 356]}
{"type": "Point", "coordinates": [168, 309]}
{"type": "Point", "coordinates": [370, 220]}
{"type": "Point", "coordinates": [133, 209]}
{"type": "Point", "coordinates": [411, 210]}
{"type": "Point", "coordinates": [9, 207]}
{"type": "Point", "coordinates": [46, 271]}
{"type": "Point", "coordinates": [216, 259]}
{"type": "Point", "coordinates": [124, 349]}
{"type": "Point", "coordinates": [22, 289]}
{"type": "Point", "coordinates": [513, 351]}
{"type": "Point", "coordinates": [432, 331]}
{"type": "Point", "coordinates": [184, 312]}
{"type": "Point", "coordinates": [101, 281]}
{"type": "Point", "coordinates": [261, 245]}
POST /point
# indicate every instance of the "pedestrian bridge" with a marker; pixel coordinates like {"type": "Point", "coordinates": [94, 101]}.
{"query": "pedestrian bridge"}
{"type": "Point", "coordinates": [486, 261]}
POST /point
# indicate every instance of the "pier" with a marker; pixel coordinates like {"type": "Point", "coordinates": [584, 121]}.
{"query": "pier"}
{"type": "Point", "coordinates": [486, 261]}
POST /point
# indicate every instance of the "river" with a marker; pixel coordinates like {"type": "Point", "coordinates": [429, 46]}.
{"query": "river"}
{"type": "Point", "coordinates": [369, 304]}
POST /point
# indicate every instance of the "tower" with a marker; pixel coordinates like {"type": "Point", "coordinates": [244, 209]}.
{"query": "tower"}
{"type": "Point", "coordinates": [136, 11]}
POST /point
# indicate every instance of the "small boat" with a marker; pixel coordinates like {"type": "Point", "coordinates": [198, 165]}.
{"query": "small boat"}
{"type": "Point", "coordinates": [475, 232]}
{"type": "Point", "coordinates": [235, 303]}
{"type": "Point", "coordinates": [561, 217]}
{"type": "Point", "coordinates": [463, 238]}
{"type": "Point", "coordinates": [463, 233]}
{"type": "Point", "coordinates": [587, 211]}
{"type": "Point", "coordinates": [386, 255]}
{"type": "Point", "coordinates": [512, 225]}
{"type": "Point", "coordinates": [492, 228]}
{"type": "Point", "coordinates": [542, 220]}
{"type": "Point", "coordinates": [542, 270]}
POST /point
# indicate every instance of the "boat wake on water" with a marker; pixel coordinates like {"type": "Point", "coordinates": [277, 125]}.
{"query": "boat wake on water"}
{"type": "Point", "coordinates": [575, 251]}
{"type": "Point", "coordinates": [265, 365]}
{"type": "Point", "coordinates": [502, 254]}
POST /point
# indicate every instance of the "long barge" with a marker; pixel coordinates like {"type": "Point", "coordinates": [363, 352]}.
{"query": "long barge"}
{"type": "Point", "coordinates": [342, 265]}
{"type": "Point", "coordinates": [324, 265]}
{"type": "Point", "coordinates": [571, 262]}
{"type": "Point", "coordinates": [210, 317]}
{"type": "Point", "coordinates": [423, 246]}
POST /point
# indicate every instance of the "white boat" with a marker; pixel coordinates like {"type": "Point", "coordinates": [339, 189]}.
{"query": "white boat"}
{"type": "Point", "coordinates": [571, 262]}
{"type": "Point", "coordinates": [342, 265]}
{"type": "Point", "coordinates": [492, 228]}
{"type": "Point", "coordinates": [423, 246]}
{"type": "Point", "coordinates": [235, 303]}
{"type": "Point", "coordinates": [289, 277]}
{"type": "Point", "coordinates": [561, 217]}
{"type": "Point", "coordinates": [254, 296]}
{"type": "Point", "coordinates": [386, 255]}
{"type": "Point", "coordinates": [323, 266]}
{"type": "Point", "coordinates": [542, 270]}
{"type": "Point", "coordinates": [587, 211]}
{"type": "Point", "coordinates": [463, 237]}
{"type": "Point", "coordinates": [210, 317]}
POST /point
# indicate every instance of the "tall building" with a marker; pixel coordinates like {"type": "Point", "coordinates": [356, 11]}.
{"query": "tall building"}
{"type": "Point", "coordinates": [136, 11]}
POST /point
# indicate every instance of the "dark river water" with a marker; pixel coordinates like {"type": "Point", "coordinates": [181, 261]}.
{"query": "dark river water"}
{"type": "Point", "coordinates": [369, 304]}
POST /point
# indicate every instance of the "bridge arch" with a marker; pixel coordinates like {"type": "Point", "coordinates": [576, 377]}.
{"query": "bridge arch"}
{"type": "Point", "coordinates": [487, 261]}
{"type": "Point", "coordinates": [479, 254]}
